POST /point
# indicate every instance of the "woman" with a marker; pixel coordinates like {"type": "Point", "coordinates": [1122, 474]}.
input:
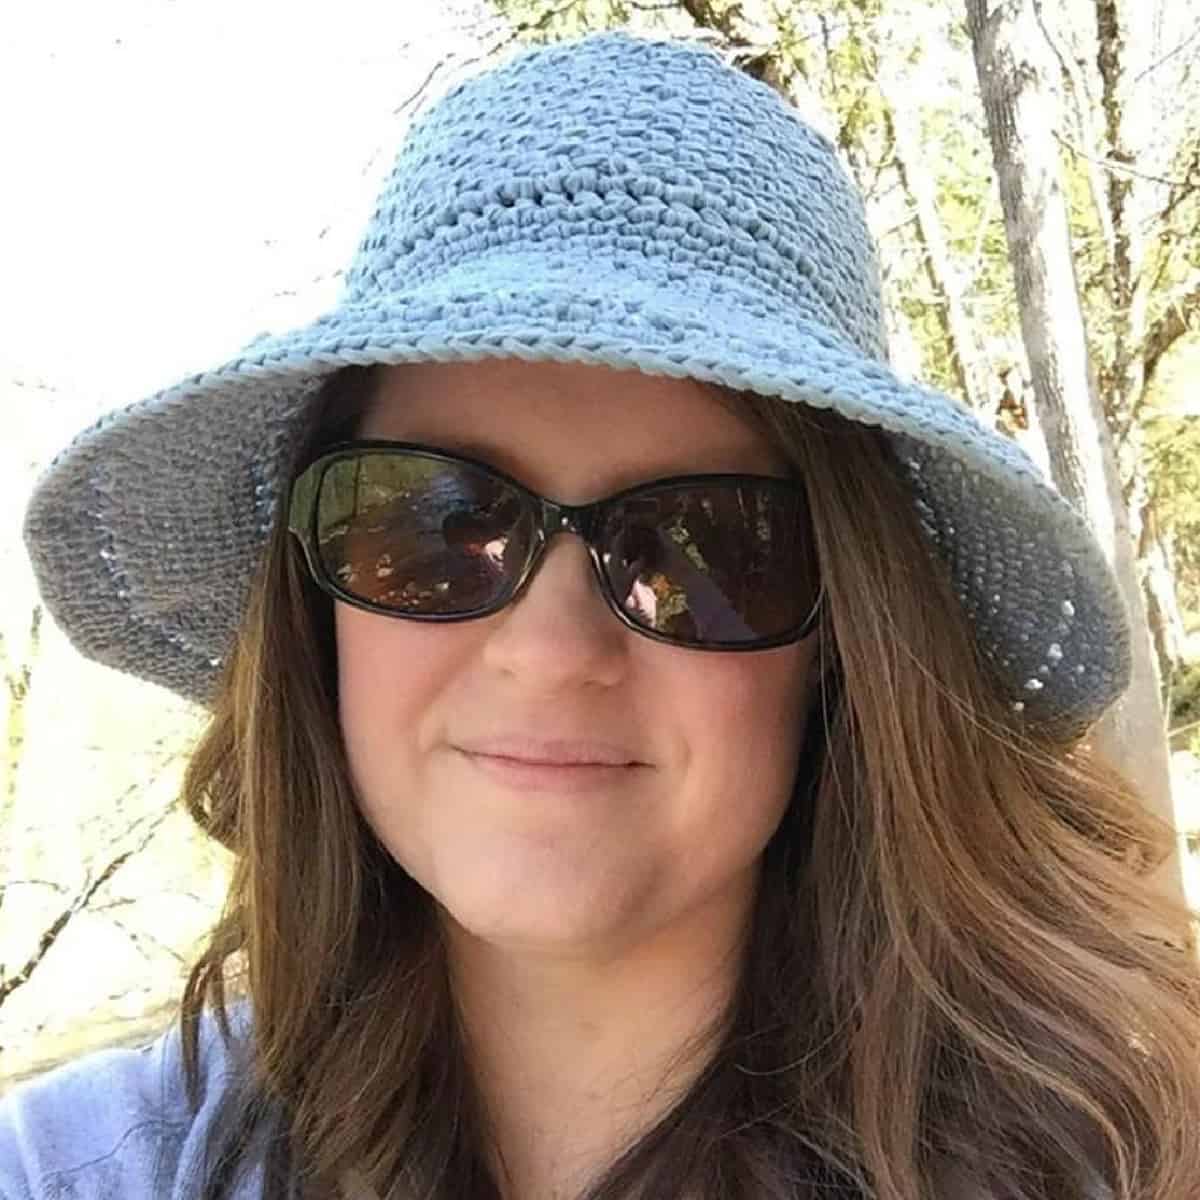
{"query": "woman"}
{"type": "Point", "coordinates": [648, 732]}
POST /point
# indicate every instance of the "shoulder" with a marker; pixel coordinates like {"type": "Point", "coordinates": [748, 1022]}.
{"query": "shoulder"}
{"type": "Point", "coordinates": [114, 1122]}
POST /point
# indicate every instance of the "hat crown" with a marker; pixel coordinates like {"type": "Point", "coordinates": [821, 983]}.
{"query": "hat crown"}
{"type": "Point", "coordinates": [618, 152]}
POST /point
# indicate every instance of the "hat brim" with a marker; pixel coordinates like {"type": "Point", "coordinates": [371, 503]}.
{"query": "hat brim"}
{"type": "Point", "coordinates": [145, 531]}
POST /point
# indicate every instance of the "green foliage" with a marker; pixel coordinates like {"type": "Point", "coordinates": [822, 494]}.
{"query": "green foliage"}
{"type": "Point", "coordinates": [863, 115]}
{"type": "Point", "coordinates": [1185, 698]}
{"type": "Point", "coordinates": [542, 22]}
{"type": "Point", "coordinates": [1172, 461]}
{"type": "Point", "coordinates": [973, 226]}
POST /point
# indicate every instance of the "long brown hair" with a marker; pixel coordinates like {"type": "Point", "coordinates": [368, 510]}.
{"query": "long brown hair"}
{"type": "Point", "coordinates": [957, 967]}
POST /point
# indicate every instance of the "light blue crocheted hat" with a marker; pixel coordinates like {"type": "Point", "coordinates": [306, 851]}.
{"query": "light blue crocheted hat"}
{"type": "Point", "coordinates": [618, 200]}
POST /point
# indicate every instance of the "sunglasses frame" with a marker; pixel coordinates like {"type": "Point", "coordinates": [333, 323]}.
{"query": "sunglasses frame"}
{"type": "Point", "coordinates": [550, 517]}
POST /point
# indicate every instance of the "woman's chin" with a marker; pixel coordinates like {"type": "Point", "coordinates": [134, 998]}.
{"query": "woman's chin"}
{"type": "Point", "coordinates": [552, 922]}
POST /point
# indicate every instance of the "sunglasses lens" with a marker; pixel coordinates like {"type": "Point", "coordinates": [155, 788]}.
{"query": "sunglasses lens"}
{"type": "Point", "coordinates": [721, 563]}
{"type": "Point", "coordinates": [420, 535]}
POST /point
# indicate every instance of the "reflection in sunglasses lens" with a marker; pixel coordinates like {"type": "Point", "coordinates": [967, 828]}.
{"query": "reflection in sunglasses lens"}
{"type": "Point", "coordinates": [723, 563]}
{"type": "Point", "coordinates": [420, 535]}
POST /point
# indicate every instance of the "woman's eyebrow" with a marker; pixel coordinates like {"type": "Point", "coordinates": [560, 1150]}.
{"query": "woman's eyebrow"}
{"type": "Point", "coordinates": [742, 460]}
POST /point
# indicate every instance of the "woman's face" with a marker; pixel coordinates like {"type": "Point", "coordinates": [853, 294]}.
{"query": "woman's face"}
{"type": "Point", "coordinates": [593, 864]}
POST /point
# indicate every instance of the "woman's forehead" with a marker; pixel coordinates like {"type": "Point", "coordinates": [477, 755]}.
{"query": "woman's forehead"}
{"type": "Point", "coordinates": [576, 423]}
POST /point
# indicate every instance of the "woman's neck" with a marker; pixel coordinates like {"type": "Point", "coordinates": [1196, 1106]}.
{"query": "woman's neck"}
{"type": "Point", "coordinates": [575, 1057]}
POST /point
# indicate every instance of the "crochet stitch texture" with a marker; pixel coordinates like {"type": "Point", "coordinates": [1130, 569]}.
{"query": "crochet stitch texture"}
{"type": "Point", "coordinates": [616, 200]}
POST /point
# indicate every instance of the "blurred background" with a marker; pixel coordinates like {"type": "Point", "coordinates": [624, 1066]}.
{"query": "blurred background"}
{"type": "Point", "coordinates": [186, 174]}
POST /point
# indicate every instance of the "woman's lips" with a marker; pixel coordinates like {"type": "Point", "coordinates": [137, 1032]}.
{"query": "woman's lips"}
{"type": "Point", "coordinates": [552, 751]}
{"type": "Point", "coordinates": [573, 778]}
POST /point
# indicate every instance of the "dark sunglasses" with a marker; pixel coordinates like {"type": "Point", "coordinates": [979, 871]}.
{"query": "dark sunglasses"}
{"type": "Point", "coordinates": [715, 562]}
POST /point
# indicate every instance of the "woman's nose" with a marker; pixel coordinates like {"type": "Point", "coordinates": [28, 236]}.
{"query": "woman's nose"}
{"type": "Point", "coordinates": [560, 631]}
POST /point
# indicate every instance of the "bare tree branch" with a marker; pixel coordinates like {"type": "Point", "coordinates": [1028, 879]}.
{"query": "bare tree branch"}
{"type": "Point", "coordinates": [138, 936]}
{"type": "Point", "coordinates": [1117, 168]}
{"type": "Point", "coordinates": [53, 884]}
{"type": "Point", "coordinates": [1183, 316]}
{"type": "Point", "coordinates": [83, 899]}
{"type": "Point", "coordinates": [420, 89]}
{"type": "Point", "coordinates": [1166, 58]}
{"type": "Point", "coordinates": [1188, 186]}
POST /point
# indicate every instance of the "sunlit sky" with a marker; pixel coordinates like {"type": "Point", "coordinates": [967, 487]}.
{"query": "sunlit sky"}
{"type": "Point", "coordinates": [179, 176]}
{"type": "Point", "coordinates": [169, 168]}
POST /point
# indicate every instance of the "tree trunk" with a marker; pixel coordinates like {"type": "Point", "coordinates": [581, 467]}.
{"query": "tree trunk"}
{"type": "Point", "coordinates": [1012, 63]}
{"type": "Point", "coordinates": [966, 354]}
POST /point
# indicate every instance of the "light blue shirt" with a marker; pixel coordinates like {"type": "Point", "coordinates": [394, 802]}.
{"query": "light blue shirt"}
{"type": "Point", "coordinates": [114, 1124]}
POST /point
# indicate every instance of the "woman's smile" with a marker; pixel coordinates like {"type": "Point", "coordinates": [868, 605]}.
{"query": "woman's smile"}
{"type": "Point", "coordinates": [566, 778]}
